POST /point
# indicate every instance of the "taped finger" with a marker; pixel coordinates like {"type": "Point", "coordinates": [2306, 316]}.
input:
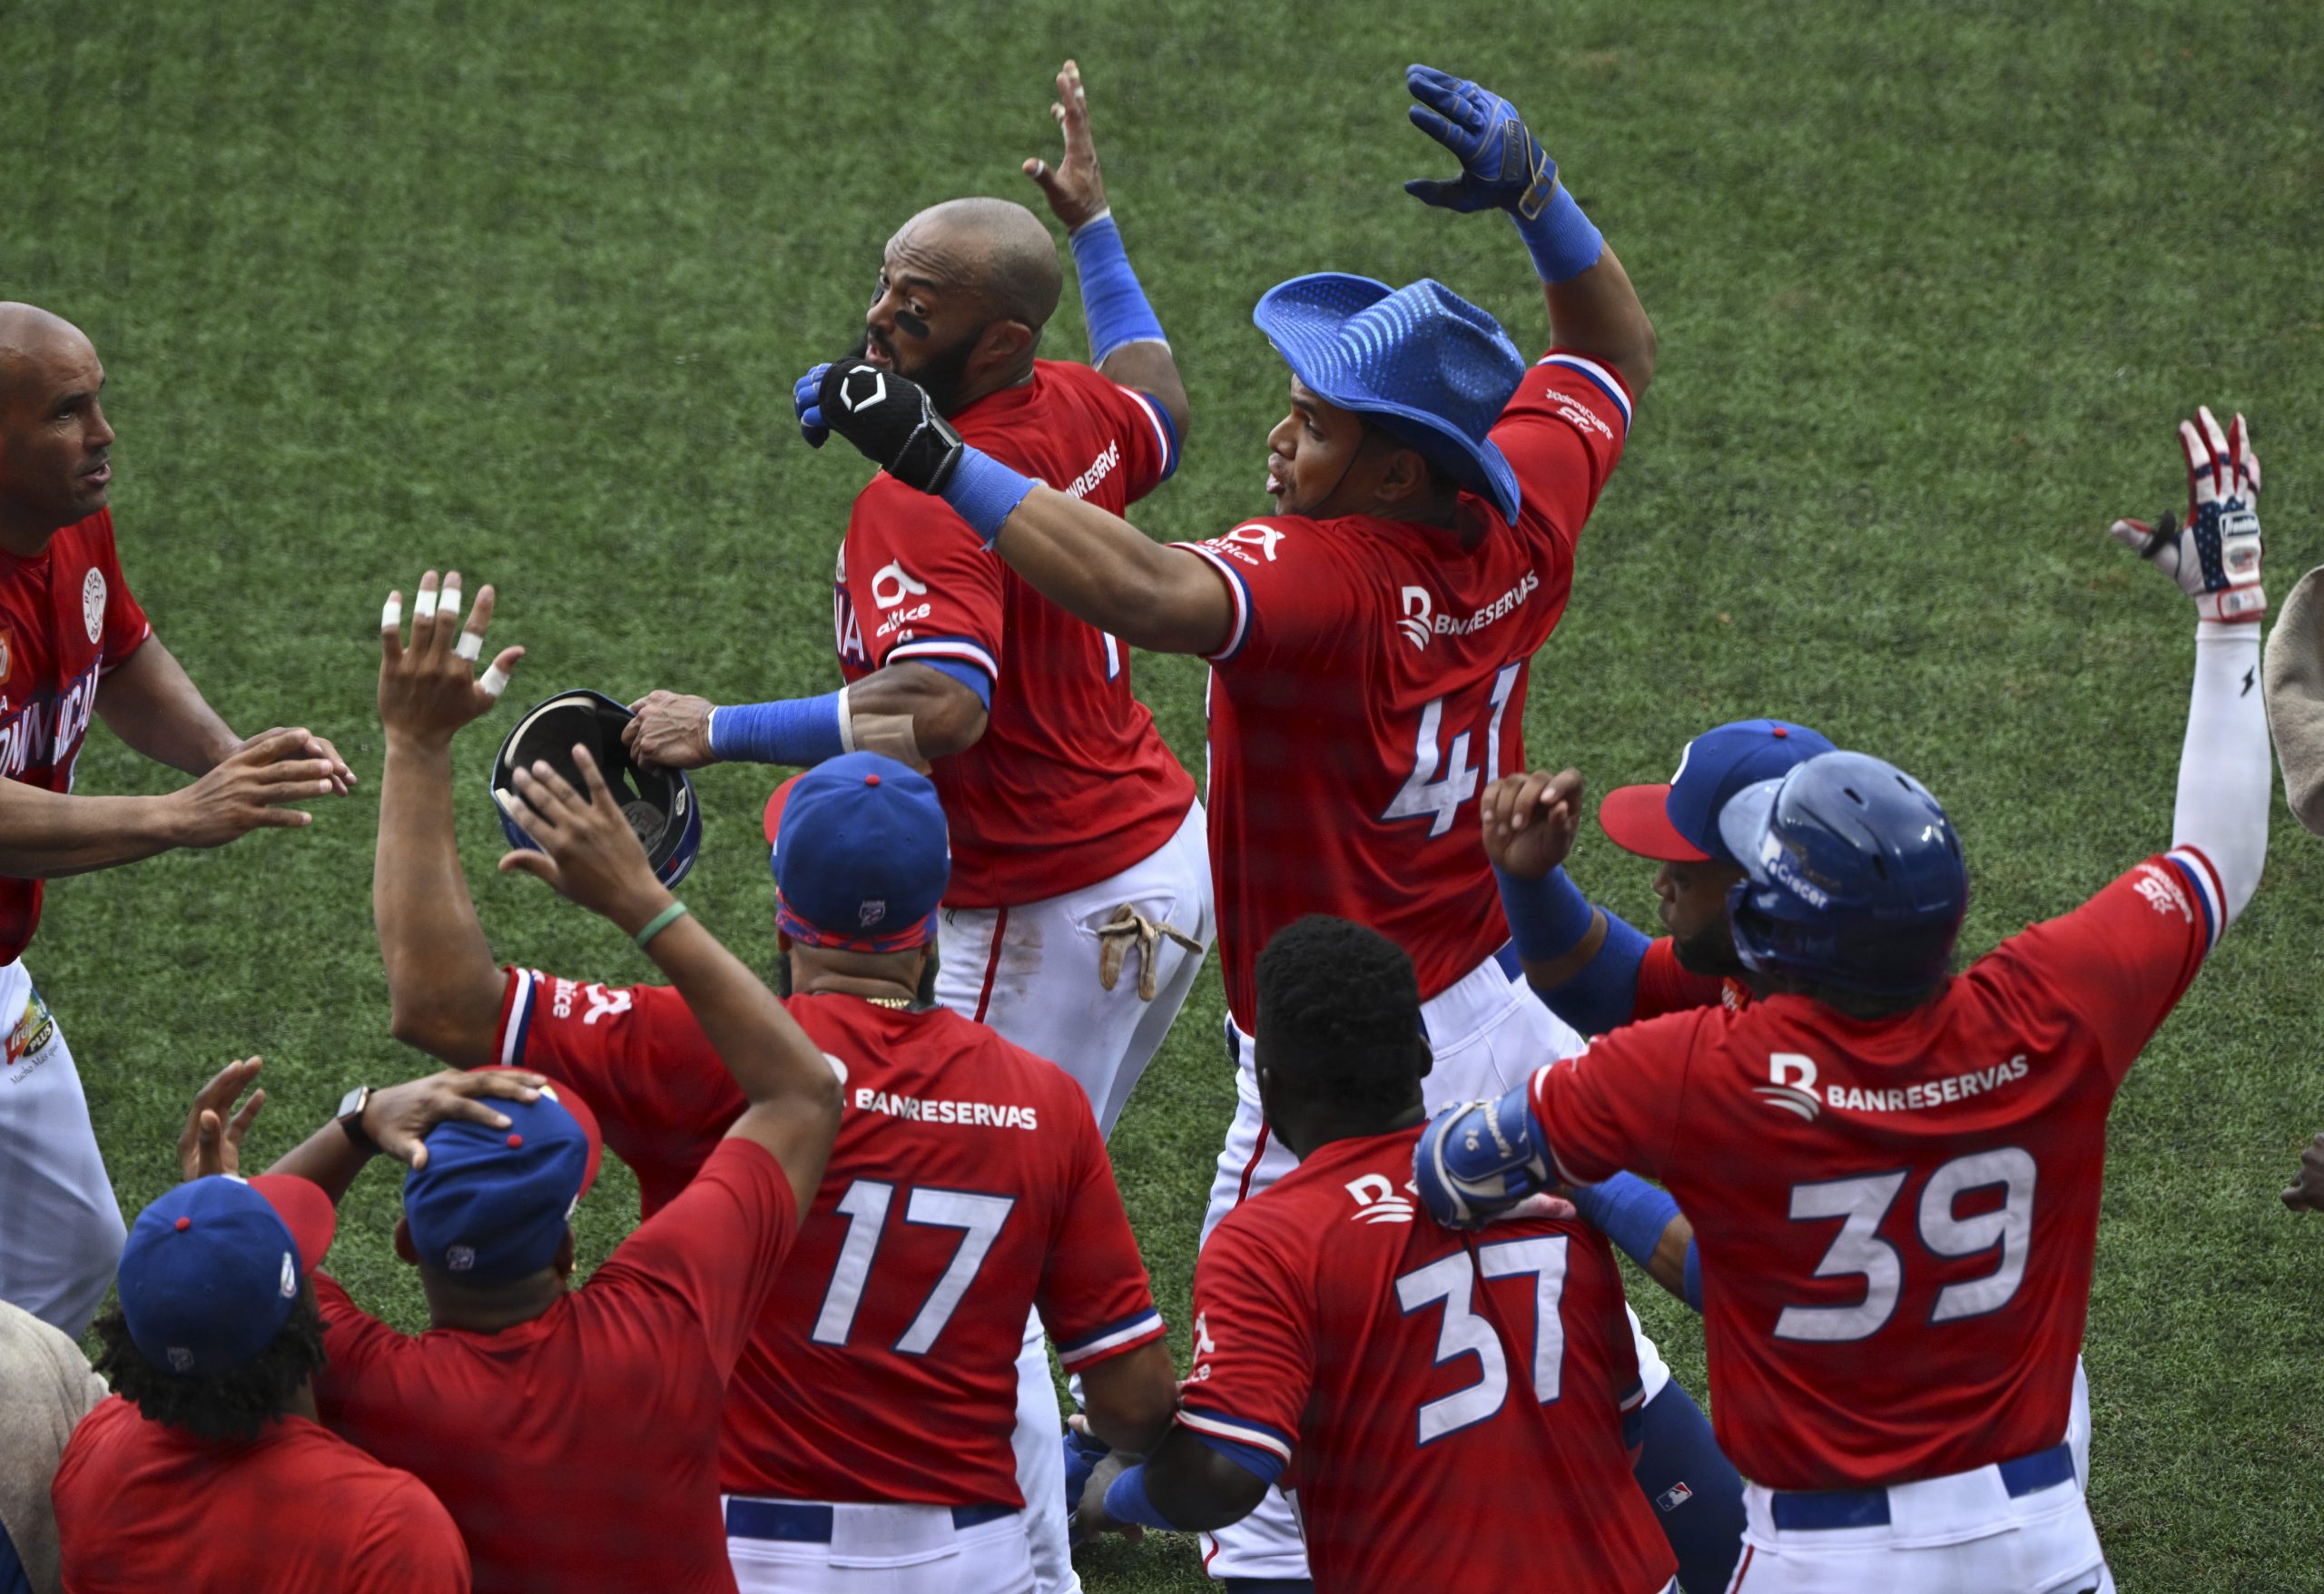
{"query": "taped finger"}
{"type": "Point", "coordinates": [447, 602]}
{"type": "Point", "coordinates": [391, 613]}
{"type": "Point", "coordinates": [494, 681]}
{"type": "Point", "coordinates": [423, 605]}
{"type": "Point", "coordinates": [469, 647]}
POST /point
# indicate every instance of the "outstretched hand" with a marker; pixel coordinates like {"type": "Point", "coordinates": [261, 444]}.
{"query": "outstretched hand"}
{"type": "Point", "coordinates": [1075, 189]}
{"type": "Point", "coordinates": [1502, 164]}
{"type": "Point", "coordinates": [1530, 821]}
{"type": "Point", "coordinates": [398, 1117]}
{"type": "Point", "coordinates": [212, 1141]}
{"type": "Point", "coordinates": [2214, 557]}
{"type": "Point", "coordinates": [429, 689]}
{"type": "Point", "coordinates": [588, 853]}
{"type": "Point", "coordinates": [249, 787]}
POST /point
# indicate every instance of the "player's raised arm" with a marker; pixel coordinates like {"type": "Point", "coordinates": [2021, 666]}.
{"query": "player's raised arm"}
{"type": "Point", "coordinates": [1593, 309]}
{"type": "Point", "coordinates": [1126, 341]}
{"type": "Point", "coordinates": [1096, 565]}
{"type": "Point", "coordinates": [591, 856]}
{"type": "Point", "coordinates": [443, 985]}
{"type": "Point", "coordinates": [2225, 769]}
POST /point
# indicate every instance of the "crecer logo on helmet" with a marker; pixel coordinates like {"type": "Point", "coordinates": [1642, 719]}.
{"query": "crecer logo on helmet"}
{"type": "Point", "coordinates": [1777, 862]}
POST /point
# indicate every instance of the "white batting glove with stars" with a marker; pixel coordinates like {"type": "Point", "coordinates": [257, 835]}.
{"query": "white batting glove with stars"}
{"type": "Point", "coordinates": [2214, 557]}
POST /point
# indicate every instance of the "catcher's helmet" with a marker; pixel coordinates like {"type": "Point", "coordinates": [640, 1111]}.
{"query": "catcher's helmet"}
{"type": "Point", "coordinates": [1852, 876]}
{"type": "Point", "coordinates": [659, 802]}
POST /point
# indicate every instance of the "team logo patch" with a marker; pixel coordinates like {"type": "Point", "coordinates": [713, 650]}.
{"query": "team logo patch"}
{"type": "Point", "coordinates": [93, 603]}
{"type": "Point", "coordinates": [181, 1359]}
{"type": "Point", "coordinates": [290, 1277]}
{"type": "Point", "coordinates": [874, 909]}
{"type": "Point", "coordinates": [1792, 1085]}
{"type": "Point", "coordinates": [1672, 1498]}
{"type": "Point", "coordinates": [460, 1258]}
{"type": "Point", "coordinates": [1376, 1201]}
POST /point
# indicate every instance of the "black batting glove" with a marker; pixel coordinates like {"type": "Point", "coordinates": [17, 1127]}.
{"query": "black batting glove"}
{"type": "Point", "coordinates": [891, 420]}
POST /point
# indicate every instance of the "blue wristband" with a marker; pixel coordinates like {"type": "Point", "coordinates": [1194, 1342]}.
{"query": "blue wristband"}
{"type": "Point", "coordinates": [1603, 996]}
{"type": "Point", "coordinates": [796, 730]}
{"type": "Point", "coordinates": [983, 491]}
{"type": "Point", "coordinates": [1694, 1275]}
{"type": "Point", "coordinates": [1562, 240]}
{"type": "Point", "coordinates": [1627, 1211]}
{"type": "Point", "coordinates": [1112, 303]}
{"type": "Point", "coordinates": [1546, 916]}
{"type": "Point", "coordinates": [1126, 1502]}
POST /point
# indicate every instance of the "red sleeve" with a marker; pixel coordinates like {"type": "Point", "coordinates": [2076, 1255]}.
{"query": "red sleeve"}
{"type": "Point", "coordinates": [1137, 420]}
{"type": "Point", "coordinates": [408, 1545]}
{"type": "Point", "coordinates": [1618, 1104]}
{"type": "Point", "coordinates": [920, 583]}
{"type": "Point", "coordinates": [1253, 1365]}
{"type": "Point", "coordinates": [637, 1057]}
{"type": "Point", "coordinates": [1094, 1295]}
{"type": "Point", "coordinates": [2121, 960]}
{"type": "Point", "coordinates": [359, 1346]}
{"type": "Point", "coordinates": [715, 1248]}
{"type": "Point", "coordinates": [1291, 591]}
{"type": "Point", "coordinates": [1563, 434]}
{"type": "Point", "coordinates": [125, 626]}
{"type": "Point", "coordinates": [1663, 986]}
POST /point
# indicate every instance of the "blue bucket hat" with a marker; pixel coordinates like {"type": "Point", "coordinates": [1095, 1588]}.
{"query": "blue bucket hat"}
{"type": "Point", "coordinates": [1421, 362]}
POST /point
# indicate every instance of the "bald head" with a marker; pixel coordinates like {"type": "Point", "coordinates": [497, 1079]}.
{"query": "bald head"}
{"type": "Point", "coordinates": [992, 247]}
{"type": "Point", "coordinates": [54, 440]}
{"type": "Point", "coordinates": [31, 339]}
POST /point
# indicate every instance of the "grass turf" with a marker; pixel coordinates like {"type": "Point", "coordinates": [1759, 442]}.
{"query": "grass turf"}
{"type": "Point", "coordinates": [523, 290]}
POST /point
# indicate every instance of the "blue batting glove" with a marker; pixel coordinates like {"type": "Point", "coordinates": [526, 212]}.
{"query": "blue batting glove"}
{"type": "Point", "coordinates": [1083, 1451]}
{"type": "Point", "coordinates": [1502, 165]}
{"type": "Point", "coordinates": [1478, 1158]}
{"type": "Point", "coordinates": [804, 394]}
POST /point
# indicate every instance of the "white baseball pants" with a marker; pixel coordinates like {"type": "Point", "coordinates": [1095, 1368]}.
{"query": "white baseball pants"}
{"type": "Point", "coordinates": [887, 1549]}
{"type": "Point", "coordinates": [61, 1231]}
{"type": "Point", "coordinates": [1489, 1032]}
{"type": "Point", "coordinates": [1950, 1535]}
{"type": "Point", "coordinates": [1031, 973]}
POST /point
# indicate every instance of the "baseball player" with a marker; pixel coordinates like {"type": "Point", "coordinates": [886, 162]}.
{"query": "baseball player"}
{"type": "Point", "coordinates": [865, 1431]}
{"type": "Point", "coordinates": [1893, 1173]}
{"type": "Point", "coordinates": [73, 642]}
{"type": "Point", "coordinates": [207, 1470]}
{"type": "Point", "coordinates": [1369, 640]}
{"type": "Point", "coordinates": [1423, 1388]}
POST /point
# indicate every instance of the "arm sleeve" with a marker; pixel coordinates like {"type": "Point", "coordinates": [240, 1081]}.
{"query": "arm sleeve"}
{"type": "Point", "coordinates": [920, 585]}
{"type": "Point", "coordinates": [1619, 1104]}
{"type": "Point", "coordinates": [636, 1056]}
{"type": "Point", "coordinates": [1663, 986]}
{"type": "Point", "coordinates": [1562, 434]}
{"type": "Point", "coordinates": [408, 1545]}
{"type": "Point", "coordinates": [1253, 1363]}
{"type": "Point", "coordinates": [2122, 959]}
{"type": "Point", "coordinates": [1094, 1295]}
{"type": "Point", "coordinates": [125, 626]}
{"type": "Point", "coordinates": [2226, 771]}
{"type": "Point", "coordinates": [1290, 595]}
{"type": "Point", "coordinates": [715, 1249]}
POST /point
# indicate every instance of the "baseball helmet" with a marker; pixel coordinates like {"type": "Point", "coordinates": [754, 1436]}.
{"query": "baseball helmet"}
{"type": "Point", "coordinates": [1852, 876]}
{"type": "Point", "coordinates": [659, 804]}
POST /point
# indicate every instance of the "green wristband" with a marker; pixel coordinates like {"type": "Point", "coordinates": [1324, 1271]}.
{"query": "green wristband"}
{"type": "Point", "coordinates": [658, 923]}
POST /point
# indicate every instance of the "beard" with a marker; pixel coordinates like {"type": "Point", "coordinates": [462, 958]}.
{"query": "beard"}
{"type": "Point", "coordinates": [939, 375]}
{"type": "Point", "coordinates": [1711, 952]}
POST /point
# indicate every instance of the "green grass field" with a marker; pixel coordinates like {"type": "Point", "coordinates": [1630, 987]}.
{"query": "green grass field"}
{"type": "Point", "coordinates": [522, 290]}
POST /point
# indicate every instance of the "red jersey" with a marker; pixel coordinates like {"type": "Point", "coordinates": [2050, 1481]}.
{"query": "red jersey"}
{"type": "Point", "coordinates": [141, 1506]}
{"type": "Point", "coordinates": [67, 621]}
{"type": "Point", "coordinates": [1667, 986]}
{"type": "Point", "coordinates": [968, 1185]}
{"type": "Point", "coordinates": [1373, 683]}
{"type": "Point", "coordinates": [1070, 783]}
{"type": "Point", "coordinates": [580, 1449]}
{"type": "Point", "coordinates": [1427, 1387]}
{"type": "Point", "coordinates": [1898, 1216]}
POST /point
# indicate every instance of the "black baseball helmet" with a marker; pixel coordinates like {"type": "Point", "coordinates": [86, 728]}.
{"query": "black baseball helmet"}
{"type": "Point", "coordinates": [659, 804]}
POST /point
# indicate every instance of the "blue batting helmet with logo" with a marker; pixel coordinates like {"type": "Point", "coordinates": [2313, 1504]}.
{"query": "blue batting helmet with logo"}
{"type": "Point", "coordinates": [1852, 876]}
{"type": "Point", "coordinates": [1420, 362]}
{"type": "Point", "coordinates": [659, 804]}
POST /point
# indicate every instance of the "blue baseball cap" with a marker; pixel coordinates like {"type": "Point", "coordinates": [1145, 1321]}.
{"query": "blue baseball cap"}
{"type": "Point", "coordinates": [211, 1270]}
{"type": "Point", "coordinates": [863, 857]}
{"type": "Point", "coordinates": [1678, 822]}
{"type": "Point", "coordinates": [492, 1205]}
{"type": "Point", "coordinates": [1421, 362]}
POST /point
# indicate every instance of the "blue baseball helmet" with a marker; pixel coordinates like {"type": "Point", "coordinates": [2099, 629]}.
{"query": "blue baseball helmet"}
{"type": "Point", "coordinates": [659, 804]}
{"type": "Point", "coordinates": [1420, 362]}
{"type": "Point", "coordinates": [1852, 876]}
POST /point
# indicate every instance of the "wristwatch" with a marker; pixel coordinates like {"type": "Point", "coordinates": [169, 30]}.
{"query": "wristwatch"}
{"type": "Point", "coordinates": [350, 1117]}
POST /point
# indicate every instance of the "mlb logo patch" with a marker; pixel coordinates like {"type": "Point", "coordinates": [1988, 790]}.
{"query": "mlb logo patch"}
{"type": "Point", "coordinates": [1672, 1498]}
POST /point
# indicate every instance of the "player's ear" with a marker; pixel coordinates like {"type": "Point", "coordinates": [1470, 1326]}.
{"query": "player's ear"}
{"type": "Point", "coordinates": [406, 1253]}
{"type": "Point", "coordinates": [563, 1261]}
{"type": "Point", "coordinates": [1405, 478]}
{"type": "Point", "coordinates": [1006, 342]}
